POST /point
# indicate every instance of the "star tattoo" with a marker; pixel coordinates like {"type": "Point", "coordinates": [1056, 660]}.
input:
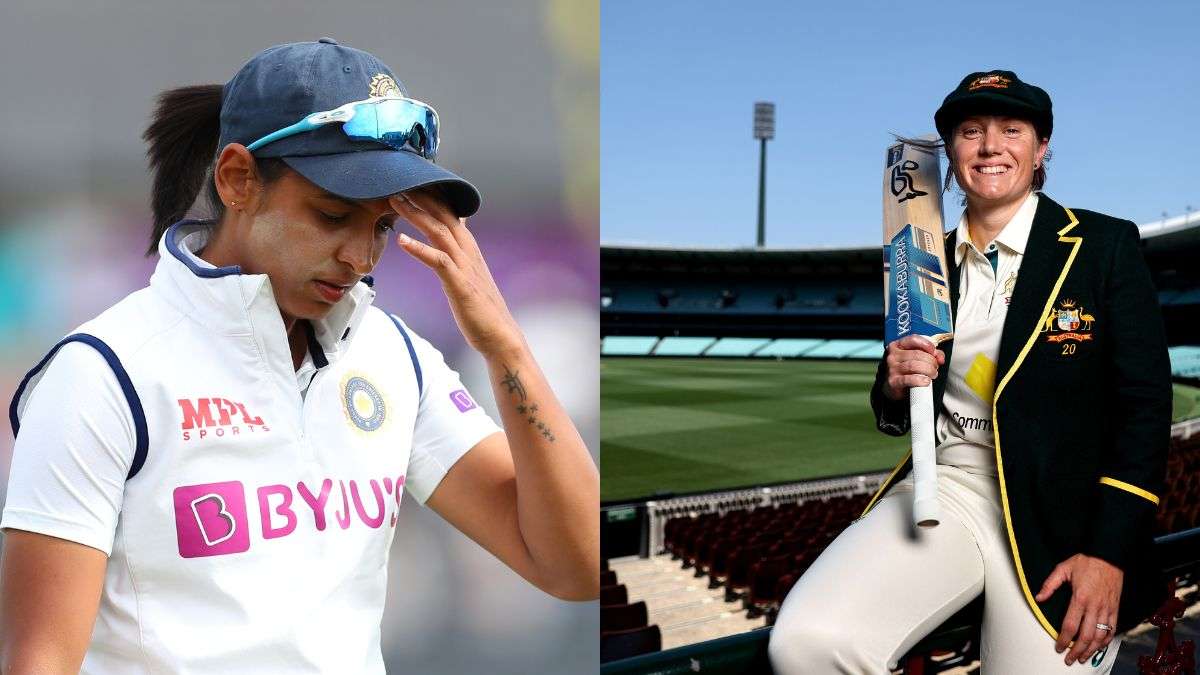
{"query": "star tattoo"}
{"type": "Point", "coordinates": [513, 383]}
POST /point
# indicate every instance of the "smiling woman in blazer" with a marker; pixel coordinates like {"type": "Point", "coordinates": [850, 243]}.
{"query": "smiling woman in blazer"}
{"type": "Point", "coordinates": [1054, 406]}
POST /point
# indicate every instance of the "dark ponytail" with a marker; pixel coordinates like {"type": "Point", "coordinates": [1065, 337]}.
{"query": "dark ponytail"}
{"type": "Point", "coordinates": [183, 138]}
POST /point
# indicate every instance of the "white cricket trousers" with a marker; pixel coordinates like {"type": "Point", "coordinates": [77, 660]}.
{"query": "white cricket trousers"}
{"type": "Point", "coordinates": [883, 585]}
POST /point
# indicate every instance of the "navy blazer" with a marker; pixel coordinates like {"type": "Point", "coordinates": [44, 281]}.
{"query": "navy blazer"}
{"type": "Point", "coordinates": [1081, 409]}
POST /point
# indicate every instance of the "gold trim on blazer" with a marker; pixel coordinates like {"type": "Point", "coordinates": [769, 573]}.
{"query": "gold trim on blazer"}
{"type": "Point", "coordinates": [1012, 537]}
{"type": "Point", "coordinates": [1129, 487]}
{"type": "Point", "coordinates": [886, 483]}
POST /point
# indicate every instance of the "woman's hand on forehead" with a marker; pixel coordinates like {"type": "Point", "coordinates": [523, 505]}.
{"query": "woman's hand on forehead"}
{"type": "Point", "coordinates": [454, 255]}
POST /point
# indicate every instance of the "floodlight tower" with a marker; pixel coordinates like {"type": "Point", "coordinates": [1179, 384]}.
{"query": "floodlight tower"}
{"type": "Point", "coordinates": [764, 130]}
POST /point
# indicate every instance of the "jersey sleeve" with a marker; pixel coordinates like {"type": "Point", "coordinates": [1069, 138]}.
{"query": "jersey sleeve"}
{"type": "Point", "coordinates": [75, 446]}
{"type": "Point", "coordinates": [449, 422]}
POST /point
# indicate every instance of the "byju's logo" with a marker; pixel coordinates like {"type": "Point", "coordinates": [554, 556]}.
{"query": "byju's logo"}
{"type": "Point", "coordinates": [208, 417]}
{"type": "Point", "coordinates": [462, 400]}
{"type": "Point", "coordinates": [210, 519]}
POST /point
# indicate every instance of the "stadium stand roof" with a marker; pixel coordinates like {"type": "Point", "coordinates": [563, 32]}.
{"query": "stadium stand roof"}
{"type": "Point", "coordinates": [1169, 233]}
{"type": "Point", "coordinates": [820, 292]}
{"type": "Point", "coordinates": [1172, 233]}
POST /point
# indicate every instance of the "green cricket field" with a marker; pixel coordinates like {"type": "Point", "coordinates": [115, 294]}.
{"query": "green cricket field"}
{"type": "Point", "coordinates": [697, 424]}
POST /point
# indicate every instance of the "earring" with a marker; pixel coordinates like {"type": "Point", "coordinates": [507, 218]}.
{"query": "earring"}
{"type": "Point", "coordinates": [233, 204]}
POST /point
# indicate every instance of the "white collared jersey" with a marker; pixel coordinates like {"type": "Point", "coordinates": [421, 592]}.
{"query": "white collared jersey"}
{"type": "Point", "coordinates": [964, 433]}
{"type": "Point", "coordinates": [247, 508]}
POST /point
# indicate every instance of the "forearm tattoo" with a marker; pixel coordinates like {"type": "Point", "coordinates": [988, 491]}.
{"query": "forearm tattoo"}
{"type": "Point", "coordinates": [512, 382]}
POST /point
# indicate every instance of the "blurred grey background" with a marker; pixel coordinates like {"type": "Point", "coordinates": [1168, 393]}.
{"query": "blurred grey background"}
{"type": "Point", "coordinates": [516, 85]}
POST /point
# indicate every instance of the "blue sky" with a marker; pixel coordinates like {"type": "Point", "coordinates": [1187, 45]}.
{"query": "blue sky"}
{"type": "Point", "coordinates": [679, 79]}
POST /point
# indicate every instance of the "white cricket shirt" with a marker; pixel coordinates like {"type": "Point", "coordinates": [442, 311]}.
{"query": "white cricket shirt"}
{"type": "Point", "coordinates": [964, 433]}
{"type": "Point", "coordinates": [247, 508]}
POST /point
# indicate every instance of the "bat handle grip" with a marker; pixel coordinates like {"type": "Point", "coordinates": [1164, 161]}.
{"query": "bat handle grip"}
{"type": "Point", "coordinates": [924, 459]}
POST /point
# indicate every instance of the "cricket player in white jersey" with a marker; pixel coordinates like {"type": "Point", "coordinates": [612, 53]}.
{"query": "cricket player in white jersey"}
{"type": "Point", "coordinates": [1053, 409]}
{"type": "Point", "coordinates": [206, 476]}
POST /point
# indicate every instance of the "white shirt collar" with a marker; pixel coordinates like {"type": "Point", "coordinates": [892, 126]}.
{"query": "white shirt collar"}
{"type": "Point", "coordinates": [1014, 236]}
{"type": "Point", "coordinates": [232, 303]}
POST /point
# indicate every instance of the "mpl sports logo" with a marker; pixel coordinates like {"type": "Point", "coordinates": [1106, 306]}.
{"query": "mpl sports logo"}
{"type": "Point", "coordinates": [217, 417]}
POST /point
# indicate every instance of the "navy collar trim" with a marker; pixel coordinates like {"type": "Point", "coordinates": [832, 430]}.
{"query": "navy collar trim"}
{"type": "Point", "coordinates": [183, 257]}
{"type": "Point", "coordinates": [314, 346]}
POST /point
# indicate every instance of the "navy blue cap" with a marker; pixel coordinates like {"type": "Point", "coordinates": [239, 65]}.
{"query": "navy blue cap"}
{"type": "Point", "coordinates": [284, 83]}
{"type": "Point", "coordinates": [995, 92]}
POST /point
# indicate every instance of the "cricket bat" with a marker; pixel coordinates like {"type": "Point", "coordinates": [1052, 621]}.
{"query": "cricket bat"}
{"type": "Point", "coordinates": [916, 293]}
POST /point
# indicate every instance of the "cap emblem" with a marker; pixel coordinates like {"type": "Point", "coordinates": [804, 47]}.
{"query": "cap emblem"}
{"type": "Point", "coordinates": [989, 82]}
{"type": "Point", "coordinates": [384, 85]}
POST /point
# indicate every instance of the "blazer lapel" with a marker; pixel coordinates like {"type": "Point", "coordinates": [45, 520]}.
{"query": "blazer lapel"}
{"type": "Point", "coordinates": [947, 347]}
{"type": "Point", "coordinates": [1046, 255]}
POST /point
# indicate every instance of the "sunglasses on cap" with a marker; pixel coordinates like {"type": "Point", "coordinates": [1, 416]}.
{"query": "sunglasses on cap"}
{"type": "Point", "coordinates": [398, 122]}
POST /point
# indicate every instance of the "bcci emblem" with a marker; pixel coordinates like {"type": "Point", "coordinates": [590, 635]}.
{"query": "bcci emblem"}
{"type": "Point", "coordinates": [362, 403]}
{"type": "Point", "coordinates": [1068, 321]}
{"type": "Point", "coordinates": [384, 85]}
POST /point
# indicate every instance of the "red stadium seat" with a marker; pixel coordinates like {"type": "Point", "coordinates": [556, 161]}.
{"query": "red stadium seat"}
{"type": "Point", "coordinates": [717, 564]}
{"type": "Point", "coordinates": [622, 644]}
{"type": "Point", "coordinates": [764, 584]}
{"type": "Point", "coordinates": [739, 569]}
{"type": "Point", "coordinates": [623, 617]}
{"type": "Point", "coordinates": [614, 595]}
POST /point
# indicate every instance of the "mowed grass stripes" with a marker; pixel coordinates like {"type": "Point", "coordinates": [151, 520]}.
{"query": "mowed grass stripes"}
{"type": "Point", "coordinates": [688, 424]}
{"type": "Point", "coordinates": [695, 424]}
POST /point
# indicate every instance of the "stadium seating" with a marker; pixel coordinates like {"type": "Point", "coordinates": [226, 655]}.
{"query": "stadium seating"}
{"type": "Point", "coordinates": [624, 626]}
{"type": "Point", "coordinates": [781, 348]}
{"type": "Point", "coordinates": [1185, 296]}
{"type": "Point", "coordinates": [758, 554]}
{"type": "Point", "coordinates": [732, 346]}
{"type": "Point", "coordinates": [787, 348]}
{"type": "Point", "coordinates": [683, 346]}
{"type": "Point", "coordinates": [620, 644]}
{"type": "Point", "coordinates": [1180, 509]}
{"type": "Point", "coordinates": [614, 595]}
{"type": "Point", "coordinates": [1185, 361]}
{"type": "Point", "coordinates": [839, 349]}
{"type": "Point", "coordinates": [623, 617]}
{"type": "Point", "coordinates": [747, 297]}
{"type": "Point", "coordinates": [619, 345]}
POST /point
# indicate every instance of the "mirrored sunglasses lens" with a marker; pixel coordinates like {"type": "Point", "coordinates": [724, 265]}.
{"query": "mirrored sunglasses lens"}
{"type": "Point", "coordinates": [405, 126]}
